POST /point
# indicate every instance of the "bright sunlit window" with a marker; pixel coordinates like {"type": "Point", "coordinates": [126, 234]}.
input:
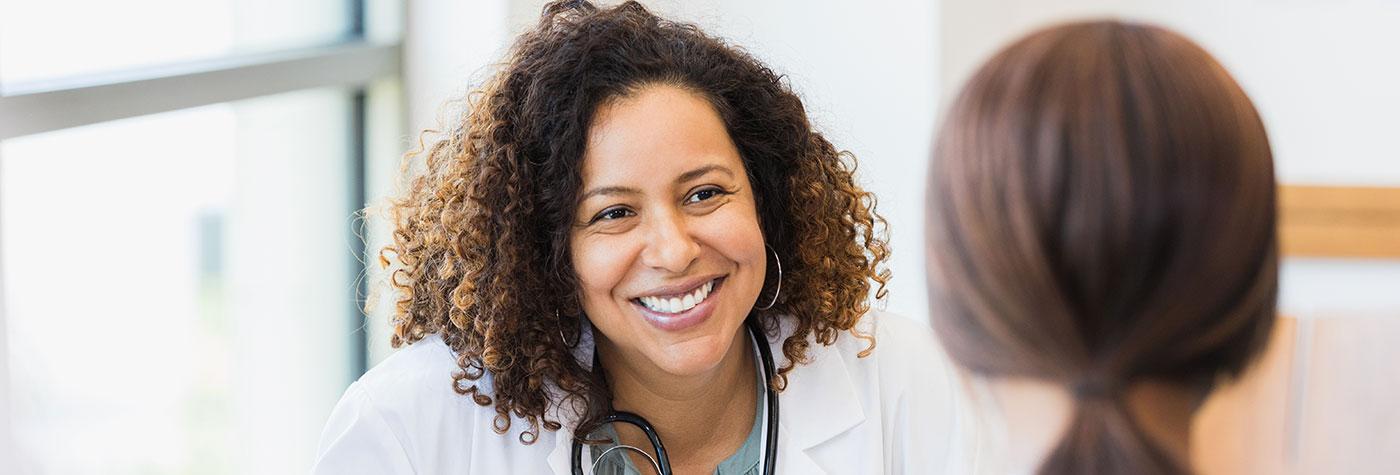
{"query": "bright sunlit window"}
{"type": "Point", "coordinates": [180, 291]}
{"type": "Point", "coordinates": [142, 260]}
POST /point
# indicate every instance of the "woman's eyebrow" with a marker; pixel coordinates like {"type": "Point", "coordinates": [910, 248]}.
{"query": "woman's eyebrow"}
{"type": "Point", "coordinates": [609, 191]}
{"type": "Point", "coordinates": [699, 172]}
{"type": "Point", "coordinates": [626, 190]}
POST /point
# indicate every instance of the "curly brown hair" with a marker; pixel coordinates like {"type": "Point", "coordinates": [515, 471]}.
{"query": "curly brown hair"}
{"type": "Point", "coordinates": [482, 233]}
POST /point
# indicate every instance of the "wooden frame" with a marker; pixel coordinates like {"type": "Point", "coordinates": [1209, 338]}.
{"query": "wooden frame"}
{"type": "Point", "coordinates": [1339, 221]}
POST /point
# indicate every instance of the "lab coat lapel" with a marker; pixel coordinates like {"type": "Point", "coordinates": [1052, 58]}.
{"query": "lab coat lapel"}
{"type": "Point", "coordinates": [792, 458]}
{"type": "Point", "coordinates": [560, 459]}
{"type": "Point", "coordinates": [819, 404]}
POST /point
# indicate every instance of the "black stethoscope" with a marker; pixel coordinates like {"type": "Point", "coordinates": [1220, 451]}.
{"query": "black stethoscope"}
{"type": "Point", "coordinates": [662, 463]}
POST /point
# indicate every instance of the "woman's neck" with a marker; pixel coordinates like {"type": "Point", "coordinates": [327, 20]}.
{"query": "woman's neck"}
{"type": "Point", "coordinates": [1037, 413]}
{"type": "Point", "coordinates": [702, 419]}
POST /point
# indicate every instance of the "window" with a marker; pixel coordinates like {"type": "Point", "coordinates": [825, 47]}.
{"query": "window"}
{"type": "Point", "coordinates": [180, 271]}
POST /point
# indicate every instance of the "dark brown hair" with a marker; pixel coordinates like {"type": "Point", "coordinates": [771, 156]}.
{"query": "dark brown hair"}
{"type": "Point", "coordinates": [1101, 212]}
{"type": "Point", "coordinates": [482, 235]}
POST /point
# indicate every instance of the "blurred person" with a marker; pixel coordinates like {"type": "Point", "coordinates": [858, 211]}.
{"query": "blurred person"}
{"type": "Point", "coordinates": [606, 252]}
{"type": "Point", "coordinates": [1101, 243]}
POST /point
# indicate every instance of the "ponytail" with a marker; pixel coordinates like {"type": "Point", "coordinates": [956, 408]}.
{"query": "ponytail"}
{"type": "Point", "coordinates": [1104, 438]}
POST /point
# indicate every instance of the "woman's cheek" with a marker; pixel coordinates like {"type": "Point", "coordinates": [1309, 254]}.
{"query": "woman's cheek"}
{"type": "Point", "coordinates": [741, 234]}
{"type": "Point", "coordinates": [600, 262]}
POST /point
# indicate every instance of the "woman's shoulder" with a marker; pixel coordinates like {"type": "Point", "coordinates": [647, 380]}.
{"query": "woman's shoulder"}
{"type": "Point", "coordinates": [892, 340]}
{"type": "Point", "coordinates": [904, 359]}
{"type": "Point", "coordinates": [421, 370]}
{"type": "Point", "coordinates": [911, 388]}
{"type": "Point", "coordinates": [884, 351]}
{"type": "Point", "coordinates": [416, 383]}
{"type": "Point", "coordinates": [403, 416]}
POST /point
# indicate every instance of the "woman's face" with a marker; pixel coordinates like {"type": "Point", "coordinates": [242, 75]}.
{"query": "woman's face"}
{"type": "Point", "coordinates": [666, 241]}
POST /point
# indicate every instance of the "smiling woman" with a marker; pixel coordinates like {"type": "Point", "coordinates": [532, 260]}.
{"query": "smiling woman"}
{"type": "Point", "coordinates": [670, 260]}
{"type": "Point", "coordinates": [627, 201]}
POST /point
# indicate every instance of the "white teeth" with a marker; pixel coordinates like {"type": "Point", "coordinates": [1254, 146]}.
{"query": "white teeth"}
{"type": "Point", "coordinates": [678, 304]}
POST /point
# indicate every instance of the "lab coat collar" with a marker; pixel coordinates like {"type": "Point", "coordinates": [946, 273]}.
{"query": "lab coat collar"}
{"type": "Point", "coordinates": [818, 404]}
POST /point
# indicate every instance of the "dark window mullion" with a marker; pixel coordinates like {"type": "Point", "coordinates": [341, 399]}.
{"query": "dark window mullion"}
{"type": "Point", "coordinates": [359, 343]}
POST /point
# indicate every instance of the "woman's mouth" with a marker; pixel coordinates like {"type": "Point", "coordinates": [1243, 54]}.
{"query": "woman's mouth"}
{"type": "Point", "coordinates": [677, 303]}
{"type": "Point", "coordinates": [680, 310]}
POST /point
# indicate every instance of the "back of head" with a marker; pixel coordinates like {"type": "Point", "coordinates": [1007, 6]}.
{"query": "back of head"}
{"type": "Point", "coordinates": [1101, 212]}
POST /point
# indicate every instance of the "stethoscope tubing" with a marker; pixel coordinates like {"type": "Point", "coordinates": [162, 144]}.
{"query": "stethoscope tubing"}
{"type": "Point", "coordinates": [770, 449]}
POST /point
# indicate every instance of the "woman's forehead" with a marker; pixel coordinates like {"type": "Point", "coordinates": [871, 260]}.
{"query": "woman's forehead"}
{"type": "Point", "coordinates": [658, 133]}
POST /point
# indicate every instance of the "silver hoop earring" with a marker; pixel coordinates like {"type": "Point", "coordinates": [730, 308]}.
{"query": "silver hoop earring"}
{"type": "Point", "coordinates": [778, 290]}
{"type": "Point", "coordinates": [559, 323]}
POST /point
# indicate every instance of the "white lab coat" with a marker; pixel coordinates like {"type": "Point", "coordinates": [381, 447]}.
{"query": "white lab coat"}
{"type": "Point", "coordinates": [898, 410]}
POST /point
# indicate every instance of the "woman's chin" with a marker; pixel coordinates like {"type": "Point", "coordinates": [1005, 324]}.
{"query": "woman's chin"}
{"type": "Point", "coordinates": [695, 356]}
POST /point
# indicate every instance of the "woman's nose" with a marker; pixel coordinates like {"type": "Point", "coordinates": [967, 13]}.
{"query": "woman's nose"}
{"type": "Point", "coordinates": [670, 246]}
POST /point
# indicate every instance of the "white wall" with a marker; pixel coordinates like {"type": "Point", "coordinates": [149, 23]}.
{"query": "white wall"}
{"type": "Point", "coordinates": [447, 47]}
{"type": "Point", "coordinates": [1325, 76]}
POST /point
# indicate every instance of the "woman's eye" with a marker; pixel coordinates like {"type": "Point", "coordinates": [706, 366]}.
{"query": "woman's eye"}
{"type": "Point", "coordinates": [611, 214]}
{"type": "Point", "coordinates": [703, 195]}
